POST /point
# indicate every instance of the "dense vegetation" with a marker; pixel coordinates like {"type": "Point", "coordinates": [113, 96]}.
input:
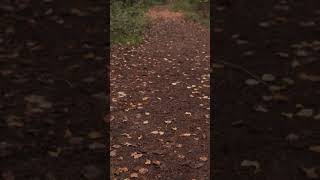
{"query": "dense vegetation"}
{"type": "Point", "coordinates": [128, 16]}
{"type": "Point", "coordinates": [127, 19]}
{"type": "Point", "coordinates": [198, 10]}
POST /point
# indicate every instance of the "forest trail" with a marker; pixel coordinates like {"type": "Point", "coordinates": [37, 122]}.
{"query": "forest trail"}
{"type": "Point", "coordinates": [161, 101]}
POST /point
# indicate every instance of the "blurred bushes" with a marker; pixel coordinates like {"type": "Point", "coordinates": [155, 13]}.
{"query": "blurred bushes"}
{"type": "Point", "coordinates": [197, 10]}
{"type": "Point", "coordinates": [127, 20]}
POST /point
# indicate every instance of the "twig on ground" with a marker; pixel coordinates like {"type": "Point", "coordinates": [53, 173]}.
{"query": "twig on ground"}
{"type": "Point", "coordinates": [238, 67]}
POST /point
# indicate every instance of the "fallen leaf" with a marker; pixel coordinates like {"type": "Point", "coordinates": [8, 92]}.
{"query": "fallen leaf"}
{"type": "Point", "coordinates": [122, 170]}
{"type": "Point", "coordinates": [268, 77]}
{"type": "Point", "coordinates": [248, 163]}
{"type": "Point", "coordinates": [292, 137]}
{"type": "Point", "coordinates": [315, 148]}
{"type": "Point", "coordinates": [157, 132]}
{"type": "Point", "coordinates": [310, 173]}
{"type": "Point", "coordinates": [317, 117]}
{"type": "Point", "coordinates": [55, 153]}
{"type": "Point", "coordinates": [94, 135]}
{"type": "Point", "coordinates": [147, 162]}
{"type": "Point", "coordinates": [168, 122]}
{"type": "Point", "coordinates": [67, 133]}
{"type": "Point", "coordinates": [134, 175]}
{"type": "Point", "coordinates": [251, 82]}
{"type": "Point", "coordinates": [267, 98]}
{"type": "Point", "coordinates": [198, 165]}
{"type": "Point", "coordinates": [260, 108]}
{"type": "Point", "coordinates": [279, 97]}
{"type": "Point", "coordinates": [38, 100]}
{"type": "Point", "coordinates": [305, 113]}
{"type": "Point", "coordinates": [288, 115]}
{"type": "Point", "coordinates": [113, 153]}
{"type": "Point", "coordinates": [288, 81]}
{"type": "Point", "coordinates": [203, 158]}
{"type": "Point", "coordinates": [145, 122]}
{"type": "Point", "coordinates": [89, 56]}
{"type": "Point", "coordinates": [143, 170]}
{"type": "Point", "coordinates": [276, 88]}
{"type": "Point", "coordinates": [309, 77]}
{"type": "Point", "coordinates": [156, 162]}
{"type": "Point", "coordinates": [14, 121]}
{"type": "Point", "coordinates": [77, 12]}
{"type": "Point", "coordinates": [116, 146]}
{"type": "Point", "coordinates": [186, 135]}
{"type": "Point", "coordinates": [136, 155]}
{"type": "Point", "coordinates": [122, 94]}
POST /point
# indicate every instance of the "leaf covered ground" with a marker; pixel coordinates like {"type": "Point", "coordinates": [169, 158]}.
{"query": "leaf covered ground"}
{"type": "Point", "coordinates": [160, 101]}
{"type": "Point", "coordinates": [266, 89]}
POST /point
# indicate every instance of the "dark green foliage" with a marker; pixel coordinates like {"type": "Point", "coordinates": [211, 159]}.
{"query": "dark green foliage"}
{"type": "Point", "coordinates": [126, 22]}
{"type": "Point", "coordinates": [198, 10]}
{"type": "Point", "coordinates": [127, 19]}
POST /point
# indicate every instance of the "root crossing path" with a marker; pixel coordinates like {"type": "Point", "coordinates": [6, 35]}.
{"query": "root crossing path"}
{"type": "Point", "coordinates": [160, 102]}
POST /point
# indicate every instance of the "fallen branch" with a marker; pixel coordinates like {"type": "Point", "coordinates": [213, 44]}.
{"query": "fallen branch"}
{"type": "Point", "coordinates": [238, 67]}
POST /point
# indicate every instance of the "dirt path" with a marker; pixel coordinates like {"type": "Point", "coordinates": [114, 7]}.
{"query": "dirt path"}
{"type": "Point", "coordinates": [160, 102]}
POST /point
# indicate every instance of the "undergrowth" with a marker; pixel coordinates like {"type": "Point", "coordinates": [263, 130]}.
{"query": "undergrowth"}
{"type": "Point", "coordinates": [196, 10]}
{"type": "Point", "coordinates": [128, 20]}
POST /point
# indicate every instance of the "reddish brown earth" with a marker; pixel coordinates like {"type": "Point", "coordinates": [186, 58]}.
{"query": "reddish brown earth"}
{"type": "Point", "coordinates": [266, 131]}
{"type": "Point", "coordinates": [160, 102]}
{"type": "Point", "coordinates": [52, 93]}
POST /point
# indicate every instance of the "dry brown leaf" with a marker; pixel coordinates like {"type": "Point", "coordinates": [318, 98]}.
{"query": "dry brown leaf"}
{"type": "Point", "coordinates": [315, 148]}
{"type": "Point", "coordinates": [14, 121]}
{"type": "Point", "coordinates": [147, 162]}
{"type": "Point", "coordinates": [121, 170]}
{"type": "Point", "coordinates": [143, 170]}
{"type": "Point", "coordinates": [145, 122]}
{"type": "Point", "coordinates": [203, 158]}
{"type": "Point", "coordinates": [94, 135]}
{"type": "Point", "coordinates": [248, 163]}
{"type": "Point", "coordinates": [134, 175]}
{"type": "Point", "coordinates": [279, 97]}
{"type": "Point", "coordinates": [55, 153]}
{"type": "Point", "coordinates": [311, 173]}
{"type": "Point", "coordinates": [304, 76]}
{"type": "Point", "coordinates": [89, 56]}
{"type": "Point", "coordinates": [156, 162]}
{"type": "Point", "coordinates": [136, 155]}
{"type": "Point", "coordinates": [113, 153]}
{"type": "Point", "coordinates": [67, 133]}
{"type": "Point", "coordinates": [186, 135]}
